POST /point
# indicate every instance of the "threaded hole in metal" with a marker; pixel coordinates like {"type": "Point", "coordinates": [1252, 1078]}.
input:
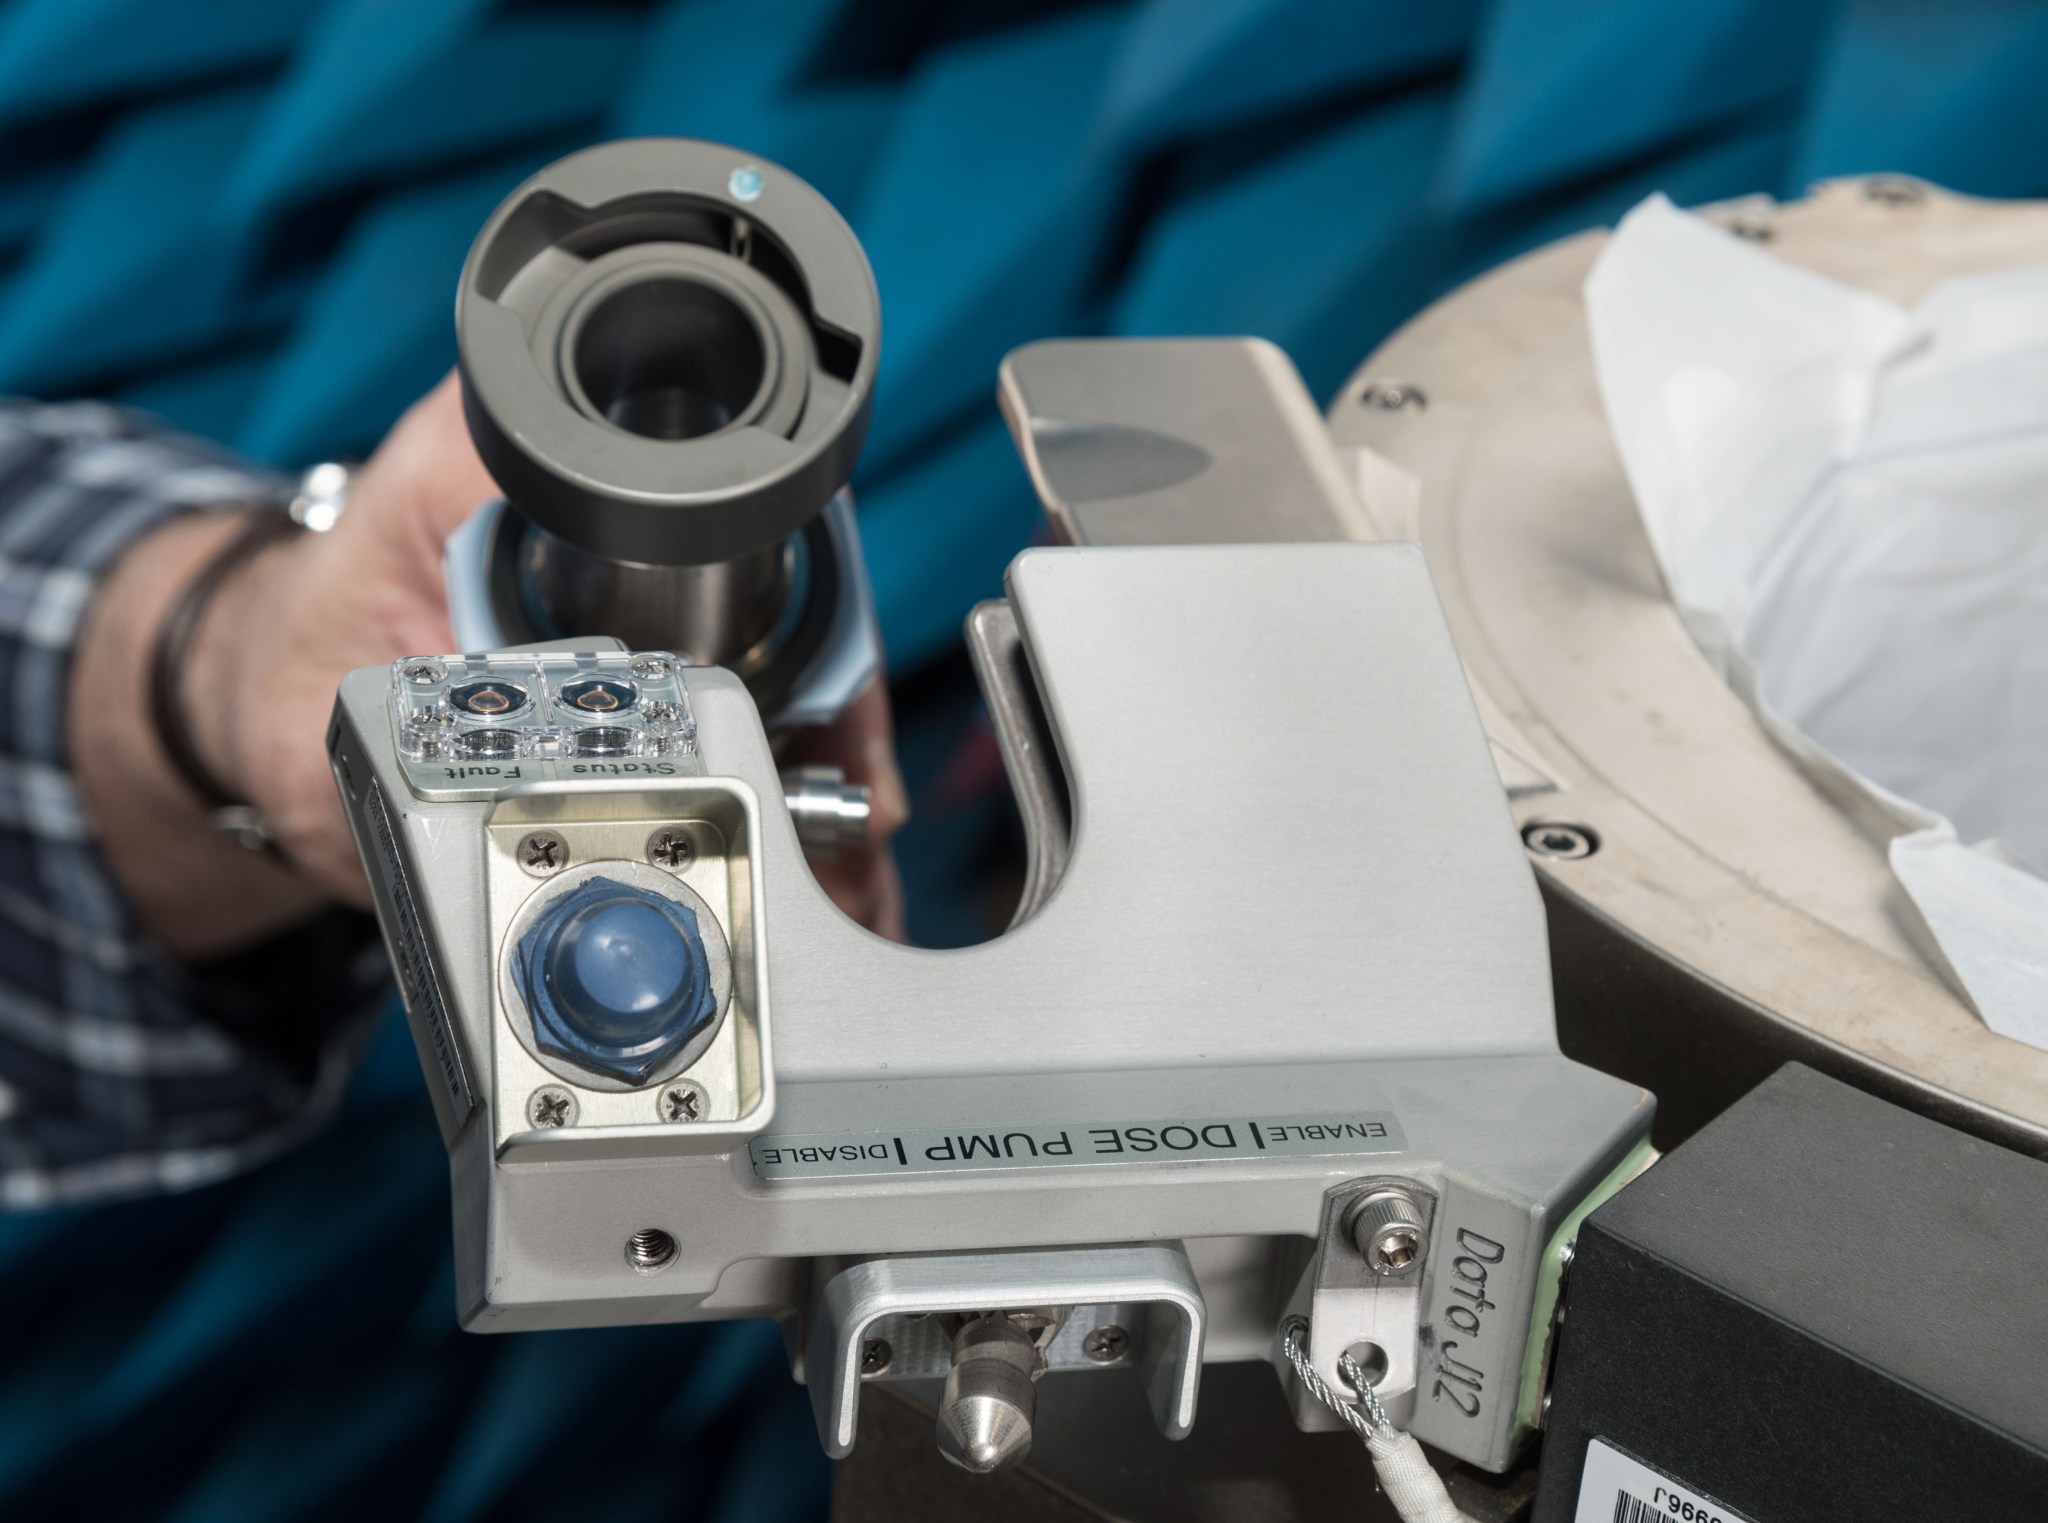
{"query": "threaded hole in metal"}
{"type": "Point", "coordinates": [650, 1248]}
{"type": "Point", "coordinates": [1563, 842]}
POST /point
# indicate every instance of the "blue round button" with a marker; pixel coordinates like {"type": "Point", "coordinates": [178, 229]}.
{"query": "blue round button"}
{"type": "Point", "coordinates": [618, 967]}
{"type": "Point", "coordinates": [616, 978]}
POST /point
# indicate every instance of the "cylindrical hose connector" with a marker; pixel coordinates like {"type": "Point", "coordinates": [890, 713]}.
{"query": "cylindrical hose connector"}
{"type": "Point", "coordinates": [668, 358]}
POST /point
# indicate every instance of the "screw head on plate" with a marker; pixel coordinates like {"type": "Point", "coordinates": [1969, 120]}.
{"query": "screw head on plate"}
{"type": "Point", "coordinates": [1106, 1344]}
{"type": "Point", "coordinates": [551, 1106]}
{"type": "Point", "coordinates": [670, 848]}
{"type": "Point", "coordinates": [875, 1356]}
{"type": "Point", "coordinates": [1395, 1249]}
{"type": "Point", "coordinates": [1393, 396]}
{"type": "Point", "coordinates": [1894, 190]}
{"type": "Point", "coordinates": [684, 1101]}
{"type": "Point", "coordinates": [543, 853]}
{"type": "Point", "coordinates": [1390, 1230]}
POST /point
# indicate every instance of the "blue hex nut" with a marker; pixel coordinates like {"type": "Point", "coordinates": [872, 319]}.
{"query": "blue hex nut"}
{"type": "Point", "coordinates": [617, 979]}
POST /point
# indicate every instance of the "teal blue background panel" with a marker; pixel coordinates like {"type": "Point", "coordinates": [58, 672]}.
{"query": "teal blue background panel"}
{"type": "Point", "coordinates": [248, 216]}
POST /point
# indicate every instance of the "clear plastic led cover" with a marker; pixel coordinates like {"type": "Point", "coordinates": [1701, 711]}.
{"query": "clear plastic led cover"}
{"type": "Point", "coordinates": [476, 716]}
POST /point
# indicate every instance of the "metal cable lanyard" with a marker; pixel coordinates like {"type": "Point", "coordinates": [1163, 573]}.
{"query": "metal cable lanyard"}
{"type": "Point", "coordinates": [1410, 1481]}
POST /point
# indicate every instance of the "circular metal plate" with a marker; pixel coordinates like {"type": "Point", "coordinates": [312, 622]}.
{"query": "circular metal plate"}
{"type": "Point", "coordinates": [1733, 914]}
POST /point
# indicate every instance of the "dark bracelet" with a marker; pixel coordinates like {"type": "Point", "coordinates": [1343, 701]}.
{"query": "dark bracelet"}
{"type": "Point", "coordinates": [233, 817]}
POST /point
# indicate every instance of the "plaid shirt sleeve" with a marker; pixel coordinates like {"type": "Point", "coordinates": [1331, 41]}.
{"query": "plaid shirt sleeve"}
{"type": "Point", "coordinates": [121, 1071]}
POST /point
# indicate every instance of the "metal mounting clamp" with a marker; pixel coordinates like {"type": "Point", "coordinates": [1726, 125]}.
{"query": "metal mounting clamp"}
{"type": "Point", "coordinates": [1153, 1275]}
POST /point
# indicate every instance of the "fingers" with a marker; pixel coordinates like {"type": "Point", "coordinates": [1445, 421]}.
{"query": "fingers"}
{"type": "Point", "coordinates": [870, 737]}
{"type": "Point", "coordinates": [451, 476]}
{"type": "Point", "coordinates": [426, 477]}
{"type": "Point", "coordinates": [865, 884]}
{"type": "Point", "coordinates": [329, 859]}
{"type": "Point", "coordinates": [383, 561]}
{"type": "Point", "coordinates": [862, 744]}
{"type": "Point", "coordinates": [884, 897]}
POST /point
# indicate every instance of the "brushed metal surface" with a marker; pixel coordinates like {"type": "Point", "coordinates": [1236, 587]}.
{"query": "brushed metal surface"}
{"type": "Point", "coordinates": [1179, 441]}
{"type": "Point", "coordinates": [1286, 830]}
{"type": "Point", "coordinates": [1295, 888]}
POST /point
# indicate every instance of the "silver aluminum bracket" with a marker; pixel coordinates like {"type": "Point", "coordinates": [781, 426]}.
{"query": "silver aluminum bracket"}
{"type": "Point", "coordinates": [1155, 1275]}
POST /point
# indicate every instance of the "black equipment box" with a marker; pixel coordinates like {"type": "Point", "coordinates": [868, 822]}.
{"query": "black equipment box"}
{"type": "Point", "coordinates": [1821, 1307]}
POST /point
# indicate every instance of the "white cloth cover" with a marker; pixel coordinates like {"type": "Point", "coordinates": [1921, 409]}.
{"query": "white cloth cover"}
{"type": "Point", "coordinates": [1849, 500]}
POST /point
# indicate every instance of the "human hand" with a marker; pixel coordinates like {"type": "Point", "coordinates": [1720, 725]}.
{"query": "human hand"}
{"type": "Point", "coordinates": [862, 880]}
{"type": "Point", "coordinates": [279, 637]}
{"type": "Point", "coordinates": [260, 687]}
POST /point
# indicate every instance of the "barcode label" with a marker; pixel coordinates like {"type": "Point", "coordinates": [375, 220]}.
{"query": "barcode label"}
{"type": "Point", "coordinates": [1616, 1489]}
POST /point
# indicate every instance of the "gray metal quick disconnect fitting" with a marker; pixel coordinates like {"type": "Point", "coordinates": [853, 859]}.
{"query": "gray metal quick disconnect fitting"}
{"type": "Point", "coordinates": [659, 369]}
